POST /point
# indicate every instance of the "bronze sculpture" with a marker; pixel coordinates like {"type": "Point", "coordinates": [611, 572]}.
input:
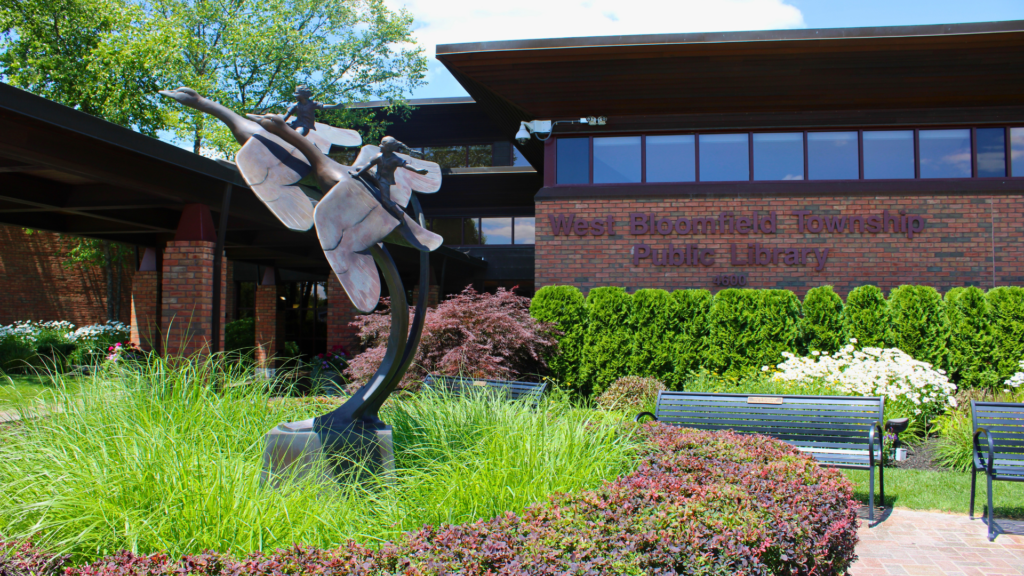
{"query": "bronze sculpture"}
{"type": "Point", "coordinates": [362, 209]}
{"type": "Point", "coordinates": [305, 111]}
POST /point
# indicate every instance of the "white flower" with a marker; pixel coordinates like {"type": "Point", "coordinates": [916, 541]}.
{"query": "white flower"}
{"type": "Point", "coordinates": [815, 353]}
{"type": "Point", "coordinates": [952, 401]}
{"type": "Point", "coordinates": [853, 340]}
{"type": "Point", "coordinates": [764, 368]}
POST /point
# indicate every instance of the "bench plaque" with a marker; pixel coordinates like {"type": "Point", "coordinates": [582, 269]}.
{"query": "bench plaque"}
{"type": "Point", "coordinates": [764, 400]}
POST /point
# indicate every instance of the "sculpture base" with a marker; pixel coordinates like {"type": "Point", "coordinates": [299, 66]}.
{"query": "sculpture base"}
{"type": "Point", "coordinates": [295, 449]}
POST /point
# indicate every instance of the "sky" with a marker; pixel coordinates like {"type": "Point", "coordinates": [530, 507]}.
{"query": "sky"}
{"type": "Point", "coordinates": [456, 21]}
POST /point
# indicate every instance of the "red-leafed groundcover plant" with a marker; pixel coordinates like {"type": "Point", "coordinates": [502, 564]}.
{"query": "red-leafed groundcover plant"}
{"type": "Point", "coordinates": [699, 503]}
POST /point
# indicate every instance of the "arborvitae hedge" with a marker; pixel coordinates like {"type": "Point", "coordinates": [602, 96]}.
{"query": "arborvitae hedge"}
{"type": "Point", "coordinates": [564, 306]}
{"type": "Point", "coordinates": [653, 325]}
{"type": "Point", "coordinates": [1007, 304]}
{"type": "Point", "coordinates": [865, 317]}
{"type": "Point", "coordinates": [918, 324]}
{"type": "Point", "coordinates": [821, 327]}
{"type": "Point", "coordinates": [608, 342]}
{"type": "Point", "coordinates": [970, 338]}
{"type": "Point", "coordinates": [692, 309]}
{"type": "Point", "coordinates": [733, 334]}
{"type": "Point", "coordinates": [778, 326]}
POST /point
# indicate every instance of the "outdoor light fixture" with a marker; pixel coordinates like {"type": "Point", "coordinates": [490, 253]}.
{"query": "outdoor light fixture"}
{"type": "Point", "coordinates": [542, 128]}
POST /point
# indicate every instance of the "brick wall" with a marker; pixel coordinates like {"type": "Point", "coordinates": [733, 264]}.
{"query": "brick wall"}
{"type": "Point", "coordinates": [34, 284]}
{"type": "Point", "coordinates": [340, 313]}
{"type": "Point", "coordinates": [187, 297]}
{"type": "Point", "coordinates": [266, 325]}
{"type": "Point", "coordinates": [146, 310]}
{"type": "Point", "coordinates": [961, 237]}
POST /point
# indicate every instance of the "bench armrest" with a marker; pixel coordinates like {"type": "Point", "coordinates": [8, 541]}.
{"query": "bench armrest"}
{"type": "Point", "coordinates": [645, 414]}
{"type": "Point", "coordinates": [988, 463]}
{"type": "Point", "coordinates": [872, 437]}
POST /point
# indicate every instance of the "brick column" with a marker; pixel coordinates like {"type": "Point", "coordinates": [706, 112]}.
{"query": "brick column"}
{"type": "Point", "coordinates": [266, 327]}
{"type": "Point", "coordinates": [340, 313]}
{"type": "Point", "coordinates": [146, 303]}
{"type": "Point", "coordinates": [187, 297]}
{"type": "Point", "coordinates": [433, 293]}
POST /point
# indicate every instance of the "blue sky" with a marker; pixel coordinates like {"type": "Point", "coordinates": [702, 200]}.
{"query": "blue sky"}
{"type": "Point", "coordinates": [453, 21]}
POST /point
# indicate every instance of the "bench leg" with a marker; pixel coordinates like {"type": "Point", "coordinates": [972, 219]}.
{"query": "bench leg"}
{"type": "Point", "coordinates": [871, 495]}
{"type": "Point", "coordinates": [991, 528]}
{"type": "Point", "coordinates": [881, 485]}
{"type": "Point", "coordinates": [974, 483]}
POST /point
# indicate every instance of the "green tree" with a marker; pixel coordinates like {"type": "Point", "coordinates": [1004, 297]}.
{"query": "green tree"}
{"type": "Point", "coordinates": [777, 327]}
{"type": "Point", "coordinates": [865, 317]}
{"type": "Point", "coordinates": [970, 338]}
{"type": "Point", "coordinates": [64, 50]}
{"type": "Point", "coordinates": [608, 343]}
{"type": "Point", "coordinates": [692, 308]}
{"type": "Point", "coordinates": [918, 324]}
{"type": "Point", "coordinates": [821, 327]}
{"type": "Point", "coordinates": [653, 327]}
{"type": "Point", "coordinates": [250, 55]}
{"type": "Point", "coordinates": [1007, 304]}
{"type": "Point", "coordinates": [732, 325]}
{"type": "Point", "coordinates": [564, 307]}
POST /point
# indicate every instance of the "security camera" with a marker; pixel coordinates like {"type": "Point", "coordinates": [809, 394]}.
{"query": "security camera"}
{"type": "Point", "coordinates": [539, 128]}
{"type": "Point", "coordinates": [523, 136]}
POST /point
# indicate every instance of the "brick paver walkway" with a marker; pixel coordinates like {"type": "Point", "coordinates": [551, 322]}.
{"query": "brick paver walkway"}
{"type": "Point", "coordinates": [936, 544]}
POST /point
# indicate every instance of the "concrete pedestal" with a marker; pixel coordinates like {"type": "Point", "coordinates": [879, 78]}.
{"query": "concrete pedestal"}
{"type": "Point", "coordinates": [295, 448]}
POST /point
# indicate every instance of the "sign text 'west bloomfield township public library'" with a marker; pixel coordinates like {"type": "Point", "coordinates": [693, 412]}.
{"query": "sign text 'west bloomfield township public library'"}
{"type": "Point", "coordinates": [745, 254]}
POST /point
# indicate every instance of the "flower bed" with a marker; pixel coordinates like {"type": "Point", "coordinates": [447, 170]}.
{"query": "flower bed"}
{"type": "Point", "coordinates": [699, 503]}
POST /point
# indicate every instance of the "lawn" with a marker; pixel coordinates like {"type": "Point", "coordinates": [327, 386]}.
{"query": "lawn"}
{"type": "Point", "coordinates": [941, 491]}
{"type": "Point", "coordinates": [22, 388]}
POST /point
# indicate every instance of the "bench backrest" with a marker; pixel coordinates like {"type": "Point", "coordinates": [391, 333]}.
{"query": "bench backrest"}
{"type": "Point", "coordinates": [806, 421]}
{"type": "Point", "coordinates": [1005, 421]}
{"type": "Point", "coordinates": [512, 390]}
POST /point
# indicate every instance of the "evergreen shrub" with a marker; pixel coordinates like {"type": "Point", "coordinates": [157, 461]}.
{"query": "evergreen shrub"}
{"type": "Point", "coordinates": [821, 327]}
{"type": "Point", "coordinates": [918, 324]}
{"type": "Point", "coordinates": [865, 317]}
{"type": "Point", "coordinates": [1007, 303]}
{"type": "Point", "coordinates": [565, 308]}
{"type": "Point", "coordinates": [732, 330]}
{"type": "Point", "coordinates": [654, 327]}
{"type": "Point", "coordinates": [608, 342]}
{"type": "Point", "coordinates": [632, 393]}
{"type": "Point", "coordinates": [777, 321]}
{"type": "Point", "coordinates": [240, 334]}
{"type": "Point", "coordinates": [692, 308]}
{"type": "Point", "coordinates": [970, 338]}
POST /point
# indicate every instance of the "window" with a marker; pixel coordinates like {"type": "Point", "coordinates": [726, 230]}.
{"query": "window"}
{"type": "Point", "coordinates": [478, 155]}
{"type": "Point", "coordinates": [779, 156]}
{"type": "Point", "coordinates": [305, 315]}
{"type": "Point", "coordinates": [832, 156]}
{"type": "Point", "coordinates": [496, 230]}
{"type": "Point", "coordinates": [991, 143]}
{"type": "Point", "coordinates": [617, 160]}
{"type": "Point", "coordinates": [471, 231]}
{"type": "Point", "coordinates": [245, 300]}
{"type": "Point", "coordinates": [573, 160]}
{"type": "Point", "coordinates": [450, 229]}
{"type": "Point", "coordinates": [724, 157]}
{"type": "Point", "coordinates": [945, 153]}
{"type": "Point", "coordinates": [889, 154]}
{"type": "Point", "coordinates": [1017, 152]}
{"type": "Point", "coordinates": [525, 230]}
{"type": "Point", "coordinates": [518, 159]}
{"type": "Point", "coordinates": [671, 158]}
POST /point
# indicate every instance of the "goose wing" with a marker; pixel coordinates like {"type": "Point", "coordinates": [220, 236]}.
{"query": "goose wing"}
{"type": "Point", "coordinates": [273, 168]}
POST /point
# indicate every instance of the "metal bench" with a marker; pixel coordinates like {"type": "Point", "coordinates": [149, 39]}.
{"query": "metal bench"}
{"type": "Point", "coordinates": [1001, 455]}
{"type": "Point", "coordinates": [838, 431]}
{"type": "Point", "coordinates": [458, 385]}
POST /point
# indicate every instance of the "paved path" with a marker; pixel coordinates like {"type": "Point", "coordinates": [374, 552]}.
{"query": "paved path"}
{"type": "Point", "coordinates": [937, 544]}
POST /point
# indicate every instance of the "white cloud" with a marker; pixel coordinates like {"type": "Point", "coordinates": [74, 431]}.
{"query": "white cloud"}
{"type": "Point", "coordinates": [457, 21]}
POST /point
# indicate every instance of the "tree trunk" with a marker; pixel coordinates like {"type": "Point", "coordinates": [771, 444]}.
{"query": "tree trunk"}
{"type": "Point", "coordinates": [108, 268]}
{"type": "Point", "coordinates": [197, 143]}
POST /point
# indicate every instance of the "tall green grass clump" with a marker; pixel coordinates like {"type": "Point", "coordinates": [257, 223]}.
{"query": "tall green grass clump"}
{"type": "Point", "coordinates": [692, 308]}
{"type": "Point", "coordinates": [821, 327]}
{"type": "Point", "coordinates": [608, 342]}
{"type": "Point", "coordinates": [653, 326]}
{"type": "Point", "coordinates": [564, 306]}
{"type": "Point", "coordinates": [918, 324]}
{"type": "Point", "coordinates": [168, 457]}
{"type": "Point", "coordinates": [970, 338]}
{"type": "Point", "coordinates": [1007, 303]}
{"type": "Point", "coordinates": [866, 317]}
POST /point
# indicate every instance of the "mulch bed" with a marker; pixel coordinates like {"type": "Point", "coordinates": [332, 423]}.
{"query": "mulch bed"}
{"type": "Point", "coordinates": [923, 456]}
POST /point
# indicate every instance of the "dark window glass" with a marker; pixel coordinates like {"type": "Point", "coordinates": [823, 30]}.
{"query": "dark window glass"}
{"type": "Point", "coordinates": [525, 231]}
{"type": "Point", "coordinates": [832, 156]}
{"type": "Point", "coordinates": [446, 156]}
{"type": "Point", "coordinates": [245, 304]}
{"type": "Point", "coordinates": [573, 160]}
{"type": "Point", "coordinates": [724, 157]}
{"type": "Point", "coordinates": [617, 160]}
{"type": "Point", "coordinates": [480, 156]}
{"type": "Point", "coordinates": [779, 156]}
{"type": "Point", "coordinates": [471, 231]}
{"type": "Point", "coordinates": [496, 230]}
{"type": "Point", "coordinates": [991, 152]}
{"type": "Point", "coordinates": [448, 228]}
{"type": "Point", "coordinates": [889, 154]}
{"type": "Point", "coordinates": [945, 153]}
{"type": "Point", "coordinates": [1017, 151]}
{"type": "Point", "coordinates": [517, 158]}
{"type": "Point", "coordinates": [671, 158]}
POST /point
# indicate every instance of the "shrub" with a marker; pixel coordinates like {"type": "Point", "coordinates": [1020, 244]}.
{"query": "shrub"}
{"type": "Point", "coordinates": [970, 338]}
{"type": "Point", "coordinates": [865, 317]}
{"type": "Point", "coordinates": [15, 354]}
{"type": "Point", "coordinates": [918, 324]}
{"type": "Point", "coordinates": [732, 330]}
{"type": "Point", "coordinates": [240, 334]}
{"type": "Point", "coordinates": [631, 393]}
{"type": "Point", "coordinates": [470, 334]}
{"type": "Point", "coordinates": [821, 327]}
{"type": "Point", "coordinates": [692, 308]}
{"type": "Point", "coordinates": [564, 307]}
{"type": "Point", "coordinates": [777, 321]}
{"type": "Point", "coordinates": [608, 341]}
{"type": "Point", "coordinates": [1007, 304]}
{"type": "Point", "coordinates": [653, 327]}
{"type": "Point", "coordinates": [701, 503]}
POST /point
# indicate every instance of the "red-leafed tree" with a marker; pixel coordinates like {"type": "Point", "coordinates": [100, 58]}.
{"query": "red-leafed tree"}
{"type": "Point", "coordinates": [470, 334]}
